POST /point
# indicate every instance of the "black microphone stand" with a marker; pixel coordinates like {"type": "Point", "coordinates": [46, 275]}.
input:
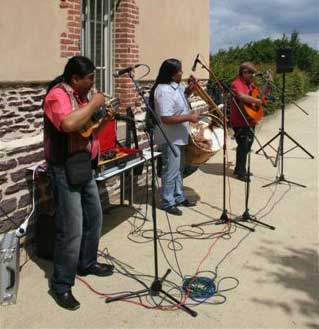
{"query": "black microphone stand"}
{"type": "Point", "coordinates": [246, 216]}
{"type": "Point", "coordinates": [224, 218]}
{"type": "Point", "coordinates": [156, 287]}
{"type": "Point", "coordinates": [281, 134]}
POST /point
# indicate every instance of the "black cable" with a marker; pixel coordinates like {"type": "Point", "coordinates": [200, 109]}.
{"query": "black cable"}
{"type": "Point", "coordinates": [182, 233]}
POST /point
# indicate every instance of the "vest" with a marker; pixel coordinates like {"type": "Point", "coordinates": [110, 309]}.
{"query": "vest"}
{"type": "Point", "coordinates": [61, 144]}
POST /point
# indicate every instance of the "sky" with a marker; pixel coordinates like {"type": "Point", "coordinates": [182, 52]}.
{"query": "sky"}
{"type": "Point", "coordinates": [236, 22]}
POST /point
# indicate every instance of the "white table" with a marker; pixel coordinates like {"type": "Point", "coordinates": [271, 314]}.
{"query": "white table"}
{"type": "Point", "coordinates": [130, 165]}
{"type": "Point", "coordinates": [114, 171]}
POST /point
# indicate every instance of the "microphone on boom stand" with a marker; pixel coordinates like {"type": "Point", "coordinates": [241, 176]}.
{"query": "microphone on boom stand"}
{"type": "Point", "coordinates": [195, 63]}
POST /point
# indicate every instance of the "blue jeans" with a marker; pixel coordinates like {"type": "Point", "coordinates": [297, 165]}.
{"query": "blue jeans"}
{"type": "Point", "coordinates": [78, 225]}
{"type": "Point", "coordinates": [172, 182]}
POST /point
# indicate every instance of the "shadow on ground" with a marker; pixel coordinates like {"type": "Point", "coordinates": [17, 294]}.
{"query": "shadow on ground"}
{"type": "Point", "coordinates": [294, 270]}
{"type": "Point", "coordinates": [143, 195]}
{"type": "Point", "coordinates": [113, 217]}
{"type": "Point", "coordinates": [217, 168]}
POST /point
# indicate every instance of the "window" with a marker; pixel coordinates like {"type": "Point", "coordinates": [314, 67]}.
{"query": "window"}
{"type": "Point", "coordinates": [97, 21]}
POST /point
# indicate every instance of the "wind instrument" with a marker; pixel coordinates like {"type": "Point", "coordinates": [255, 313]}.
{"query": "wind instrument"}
{"type": "Point", "coordinates": [199, 91]}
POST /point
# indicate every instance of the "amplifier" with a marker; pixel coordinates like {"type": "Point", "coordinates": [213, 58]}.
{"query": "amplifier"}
{"type": "Point", "coordinates": [9, 268]}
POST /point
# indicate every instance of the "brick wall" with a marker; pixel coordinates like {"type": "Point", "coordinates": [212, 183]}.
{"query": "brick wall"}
{"type": "Point", "coordinates": [17, 184]}
{"type": "Point", "coordinates": [21, 113]}
{"type": "Point", "coordinates": [16, 187]}
{"type": "Point", "coordinates": [126, 51]}
{"type": "Point", "coordinates": [70, 44]}
{"type": "Point", "coordinates": [22, 147]}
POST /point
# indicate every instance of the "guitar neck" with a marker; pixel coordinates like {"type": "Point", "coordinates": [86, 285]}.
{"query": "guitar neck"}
{"type": "Point", "coordinates": [99, 114]}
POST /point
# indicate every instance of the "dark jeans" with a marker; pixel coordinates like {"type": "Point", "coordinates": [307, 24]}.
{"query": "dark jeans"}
{"type": "Point", "coordinates": [78, 224]}
{"type": "Point", "coordinates": [244, 137]}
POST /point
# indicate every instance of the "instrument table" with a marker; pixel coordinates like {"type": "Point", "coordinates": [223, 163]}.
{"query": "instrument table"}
{"type": "Point", "coordinates": [114, 171]}
{"type": "Point", "coordinates": [130, 165]}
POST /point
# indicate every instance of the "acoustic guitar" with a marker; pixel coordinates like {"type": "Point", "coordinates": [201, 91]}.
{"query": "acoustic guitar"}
{"type": "Point", "coordinates": [254, 111]}
{"type": "Point", "coordinates": [97, 117]}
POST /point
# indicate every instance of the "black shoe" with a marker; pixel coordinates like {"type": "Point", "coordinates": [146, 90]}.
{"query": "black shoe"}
{"type": "Point", "coordinates": [241, 174]}
{"type": "Point", "coordinates": [173, 210]}
{"type": "Point", "coordinates": [187, 203]}
{"type": "Point", "coordinates": [97, 269]}
{"type": "Point", "coordinates": [66, 300]}
{"type": "Point", "coordinates": [243, 177]}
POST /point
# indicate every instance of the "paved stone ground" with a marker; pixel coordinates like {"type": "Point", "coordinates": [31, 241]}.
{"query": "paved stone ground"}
{"type": "Point", "coordinates": [277, 270]}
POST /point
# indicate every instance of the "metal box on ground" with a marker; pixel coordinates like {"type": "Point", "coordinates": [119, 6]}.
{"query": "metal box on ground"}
{"type": "Point", "coordinates": [9, 268]}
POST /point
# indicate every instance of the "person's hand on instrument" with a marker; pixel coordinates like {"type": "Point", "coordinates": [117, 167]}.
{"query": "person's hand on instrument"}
{"type": "Point", "coordinates": [110, 113]}
{"type": "Point", "coordinates": [192, 81]}
{"type": "Point", "coordinates": [98, 99]}
{"type": "Point", "coordinates": [194, 117]}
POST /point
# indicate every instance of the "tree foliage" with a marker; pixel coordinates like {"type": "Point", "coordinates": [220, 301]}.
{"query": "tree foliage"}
{"type": "Point", "coordinates": [305, 76]}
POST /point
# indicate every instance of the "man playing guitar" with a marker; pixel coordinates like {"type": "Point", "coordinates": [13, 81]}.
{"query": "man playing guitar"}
{"type": "Point", "coordinates": [244, 120]}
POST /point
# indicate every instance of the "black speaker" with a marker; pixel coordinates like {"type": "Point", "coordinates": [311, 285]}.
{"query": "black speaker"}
{"type": "Point", "coordinates": [284, 60]}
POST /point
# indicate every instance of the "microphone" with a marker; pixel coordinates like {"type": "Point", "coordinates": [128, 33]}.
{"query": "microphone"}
{"type": "Point", "coordinates": [195, 63]}
{"type": "Point", "coordinates": [126, 70]}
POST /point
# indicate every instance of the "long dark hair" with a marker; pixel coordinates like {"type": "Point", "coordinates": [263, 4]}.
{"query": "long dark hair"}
{"type": "Point", "coordinates": [77, 65]}
{"type": "Point", "coordinates": [165, 75]}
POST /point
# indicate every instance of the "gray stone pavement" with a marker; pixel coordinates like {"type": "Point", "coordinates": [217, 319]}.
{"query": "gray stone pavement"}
{"type": "Point", "coordinates": [277, 270]}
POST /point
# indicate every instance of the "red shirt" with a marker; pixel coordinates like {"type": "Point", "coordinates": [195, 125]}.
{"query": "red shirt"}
{"type": "Point", "coordinates": [57, 105]}
{"type": "Point", "coordinates": [236, 118]}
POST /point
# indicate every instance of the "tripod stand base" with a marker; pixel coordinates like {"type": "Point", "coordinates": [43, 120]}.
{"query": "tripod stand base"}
{"type": "Point", "coordinates": [224, 219]}
{"type": "Point", "coordinates": [154, 290]}
{"type": "Point", "coordinates": [280, 134]}
{"type": "Point", "coordinates": [282, 178]}
{"type": "Point", "coordinates": [247, 217]}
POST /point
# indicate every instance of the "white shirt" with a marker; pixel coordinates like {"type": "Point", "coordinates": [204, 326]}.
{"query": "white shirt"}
{"type": "Point", "coordinates": [170, 100]}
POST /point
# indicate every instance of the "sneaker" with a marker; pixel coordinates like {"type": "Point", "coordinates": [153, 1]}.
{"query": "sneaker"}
{"type": "Point", "coordinates": [173, 210]}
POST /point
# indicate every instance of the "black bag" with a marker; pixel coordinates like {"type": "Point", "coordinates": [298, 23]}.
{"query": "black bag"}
{"type": "Point", "coordinates": [78, 168]}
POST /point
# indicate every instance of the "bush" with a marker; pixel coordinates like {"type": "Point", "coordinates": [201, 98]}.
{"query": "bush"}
{"type": "Point", "coordinates": [305, 76]}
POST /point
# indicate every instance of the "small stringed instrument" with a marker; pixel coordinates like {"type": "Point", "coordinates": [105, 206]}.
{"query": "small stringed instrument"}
{"type": "Point", "coordinates": [254, 111]}
{"type": "Point", "coordinates": [97, 117]}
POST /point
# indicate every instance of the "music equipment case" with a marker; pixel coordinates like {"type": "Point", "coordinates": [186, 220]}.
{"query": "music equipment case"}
{"type": "Point", "coordinates": [9, 268]}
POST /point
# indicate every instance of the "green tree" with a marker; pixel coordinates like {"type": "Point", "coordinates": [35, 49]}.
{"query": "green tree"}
{"type": "Point", "coordinates": [305, 76]}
